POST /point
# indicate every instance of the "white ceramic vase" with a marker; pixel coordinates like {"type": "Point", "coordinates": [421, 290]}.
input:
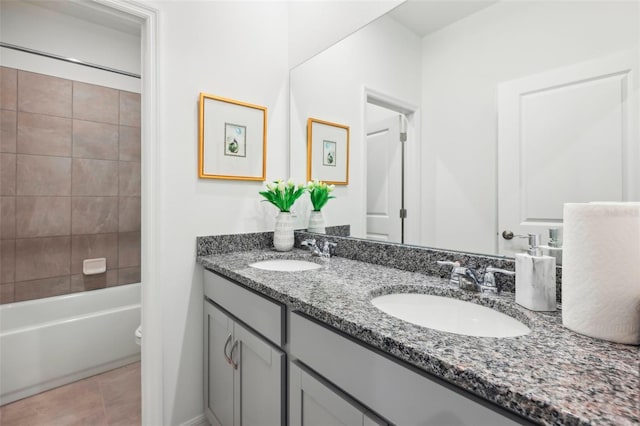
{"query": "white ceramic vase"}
{"type": "Point", "coordinates": [283, 233]}
{"type": "Point", "coordinates": [316, 222]}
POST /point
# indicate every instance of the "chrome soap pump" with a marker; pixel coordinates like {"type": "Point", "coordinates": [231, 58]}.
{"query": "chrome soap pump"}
{"type": "Point", "coordinates": [535, 278]}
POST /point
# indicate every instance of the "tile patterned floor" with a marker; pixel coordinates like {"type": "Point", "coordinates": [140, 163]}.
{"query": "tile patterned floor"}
{"type": "Point", "coordinates": [108, 399]}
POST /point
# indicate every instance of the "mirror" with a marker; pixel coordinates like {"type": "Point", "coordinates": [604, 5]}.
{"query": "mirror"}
{"type": "Point", "coordinates": [510, 109]}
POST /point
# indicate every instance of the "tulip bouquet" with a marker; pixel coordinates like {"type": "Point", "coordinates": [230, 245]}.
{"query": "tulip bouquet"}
{"type": "Point", "coordinates": [283, 194]}
{"type": "Point", "coordinates": [319, 193]}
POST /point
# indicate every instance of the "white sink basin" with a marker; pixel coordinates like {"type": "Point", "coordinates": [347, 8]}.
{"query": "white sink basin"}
{"type": "Point", "coordinates": [285, 265]}
{"type": "Point", "coordinates": [450, 315]}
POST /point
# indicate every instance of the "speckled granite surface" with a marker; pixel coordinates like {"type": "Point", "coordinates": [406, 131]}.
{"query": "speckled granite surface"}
{"type": "Point", "coordinates": [551, 376]}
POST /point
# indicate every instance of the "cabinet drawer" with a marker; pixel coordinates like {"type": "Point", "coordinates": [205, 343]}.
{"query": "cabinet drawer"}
{"type": "Point", "coordinates": [400, 394]}
{"type": "Point", "coordinates": [263, 315]}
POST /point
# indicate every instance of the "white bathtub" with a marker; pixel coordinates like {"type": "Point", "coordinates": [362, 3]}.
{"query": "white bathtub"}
{"type": "Point", "coordinates": [49, 342]}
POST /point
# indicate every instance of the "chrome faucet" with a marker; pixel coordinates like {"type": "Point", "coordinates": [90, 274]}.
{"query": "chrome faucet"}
{"type": "Point", "coordinates": [315, 250]}
{"type": "Point", "coordinates": [467, 278]}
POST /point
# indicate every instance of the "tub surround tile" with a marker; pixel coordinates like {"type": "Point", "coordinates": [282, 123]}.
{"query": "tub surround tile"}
{"type": "Point", "coordinates": [7, 218]}
{"type": "Point", "coordinates": [91, 247]}
{"type": "Point", "coordinates": [95, 103]}
{"type": "Point", "coordinates": [128, 275]}
{"type": "Point", "coordinates": [43, 216]}
{"type": "Point", "coordinates": [43, 135]}
{"type": "Point", "coordinates": [551, 376]}
{"type": "Point", "coordinates": [8, 130]}
{"type": "Point", "coordinates": [128, 249]}
{"type": "Point", "coordinates": [94, 177]}
{"type": "Point", "coordinates": [129, 179]}
{"type": "Point", "coordinates": [7, 174]}
{"type": "Point", "coordinates": [43, 175]}
{"type": "Point", "coordinates": [37, 289]}
{"type": "Point", "coordinates": [44, 94]}
{"type": "Point", "coordinates": [95, 140]}
{"type": "Point", "coordinates": [7, 261]}
{"type": "Point", "coordinates": [129, 109]}
{"type": "Point", "coordinates": [46, 257]}
{"type": "Point", "coordinates": [130, 143]}
{"type": "Point", "coordinates": [6, 296]}
{"type": "Point", "coordinates": [129, 214]}
{"type": "Point", "coordinates": [8, 88]}
{"type": "Point", "coordinates": [94, 215]}
{"type": "Point", "coordinates": [80, 282]}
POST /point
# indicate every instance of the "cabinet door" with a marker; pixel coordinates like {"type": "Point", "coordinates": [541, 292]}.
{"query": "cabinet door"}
{"type": "Point", "coordinates": [259, 381]}
{"type": "Point", "coordinates": [218, 374]}
{"type": "Point", "coordinates": [314, 404]}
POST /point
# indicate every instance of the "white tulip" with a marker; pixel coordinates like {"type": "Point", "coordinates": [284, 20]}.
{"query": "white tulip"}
{"type": "Point", "coordinates": [291, 183]}
{"type": "Point", "coordinates": [281, 186]}
{"type": "Point", "coordinates": [330, 188]}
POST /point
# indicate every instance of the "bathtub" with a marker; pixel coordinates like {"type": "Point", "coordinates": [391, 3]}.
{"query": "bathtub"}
{"type": "Point", "coordinates": [49, 342]}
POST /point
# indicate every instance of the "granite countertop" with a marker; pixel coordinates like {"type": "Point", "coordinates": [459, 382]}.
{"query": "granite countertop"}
{"type": "Point", "coordinates": [550, 376]}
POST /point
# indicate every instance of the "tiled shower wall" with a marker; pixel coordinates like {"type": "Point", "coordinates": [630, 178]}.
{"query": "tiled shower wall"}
{"type": "Point", "coordinates": [69, 185]}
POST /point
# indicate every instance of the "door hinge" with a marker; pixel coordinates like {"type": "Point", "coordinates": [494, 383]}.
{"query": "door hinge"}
{"type": "Point", "coordinates": [403, 213]}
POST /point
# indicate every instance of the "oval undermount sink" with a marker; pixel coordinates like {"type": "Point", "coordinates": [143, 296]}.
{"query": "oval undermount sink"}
{"type": "Point", "coordinates": [450, 315]}
{"type": "Point", "coordinates": [285, 265]}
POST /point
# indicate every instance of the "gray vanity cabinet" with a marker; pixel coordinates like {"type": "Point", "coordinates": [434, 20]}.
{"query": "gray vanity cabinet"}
{"type": "Point", "coordinates": [244, 374]}
{"type": "Point", "coordinates": [314, 402]}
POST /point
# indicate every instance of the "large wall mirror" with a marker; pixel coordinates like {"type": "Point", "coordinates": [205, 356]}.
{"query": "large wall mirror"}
{"type": "Point", "coordinates": [510, 109]}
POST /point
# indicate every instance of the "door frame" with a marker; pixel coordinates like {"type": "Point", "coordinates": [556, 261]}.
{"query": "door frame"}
{"type": "Point", "coordinates": [412, 172]}
{"type": "Point", "coordinates": [151, 297]}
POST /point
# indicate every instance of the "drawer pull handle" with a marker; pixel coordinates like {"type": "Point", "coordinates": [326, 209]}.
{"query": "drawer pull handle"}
{"type": "Point", "coordinates": [233, 348]}
{"type": "Point", "coordinates": [224, 350]}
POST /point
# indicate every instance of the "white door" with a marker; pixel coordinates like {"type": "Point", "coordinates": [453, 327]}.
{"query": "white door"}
{"type": "Point", "coordinates": [384, 180]}
{"type": "Point", "coordinates": [567, 135]}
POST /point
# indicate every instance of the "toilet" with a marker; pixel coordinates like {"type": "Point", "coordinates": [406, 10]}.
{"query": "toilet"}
{"type": "Point", "coordinates": [138, 335]}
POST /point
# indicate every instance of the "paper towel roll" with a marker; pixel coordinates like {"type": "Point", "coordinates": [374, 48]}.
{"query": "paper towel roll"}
{"type": "Point", "coordinates": [601, 271]}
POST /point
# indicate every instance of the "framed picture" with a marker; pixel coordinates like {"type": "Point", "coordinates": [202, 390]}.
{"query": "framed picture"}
{"type": "Point", "coordinates": [327, 152]}
{"type": "Point", "coordinates": [232, 139]}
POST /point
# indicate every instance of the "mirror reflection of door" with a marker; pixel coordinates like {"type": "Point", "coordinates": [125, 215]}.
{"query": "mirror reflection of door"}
{"type": "Point", "coordinates": [384, 175]}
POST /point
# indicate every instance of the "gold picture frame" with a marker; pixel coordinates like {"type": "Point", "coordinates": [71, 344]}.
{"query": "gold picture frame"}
{"type": "Point", "coordinates": [232, 139]}
{"type": "Point", "coordinates": [327, 152]}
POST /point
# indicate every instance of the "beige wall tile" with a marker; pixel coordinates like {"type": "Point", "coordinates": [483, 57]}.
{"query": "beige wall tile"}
{"type": "Point", "coordinates": [95, 140]}
{"type": "Point", "coordinates": [129, 184]}
{"type": "Point", "coordinates": [44, 94]}
{"type": "Point", "coordinates": [6, 293]}
{"type": "Point", "coordinates": [8, 130]}
{"type": "Point", "coordinates": [128, 249]}
{"type": "Point", "coordinates": [95, 103]}
{"type": "Point", "coordinates": [129, 214]}
{"type": "Point", "coordinates": [42, 258]}
{"type": "Point", "coordinates": [129, 143]}
{"type": "Point", "coordinates": [44, 135]}
{"type": "Point", "coordinates": [7, 218]}
{"type": "Point", "coordinates": [8, 88]}
{"type": "Point", "coordinates": [93, 282]}
{"type": "Point", "coordinates": [130, 109]}
{"type": "Point", "coordinates": [43, 216]}
{"type": "Point", "coordinates": [128, 275]}
{"type": "Point", "coordinates": [37, 289]}
{"type": "Point", "coordinates": [94, 177]}
{"type": "Point", "coordinates": [43, 175]}
{"type": "Point", "coordinates": [7, 174]}
{"type": "Point", "coordinates": [7, 261]}
{"type": "Point", "coordinates": [94, 215]}
{"type": "Point", "coordinates": [91, 247]}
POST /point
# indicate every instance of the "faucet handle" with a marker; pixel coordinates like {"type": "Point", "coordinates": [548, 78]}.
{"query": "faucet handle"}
{"type": "Point", "coordinates": [489, 280]}
{"type": "Point", "coordinates": [309, 242]}
{"type": "Point", "coordinates": [454, 279]}
{"type": "Point", "coordinates": [327, 248]}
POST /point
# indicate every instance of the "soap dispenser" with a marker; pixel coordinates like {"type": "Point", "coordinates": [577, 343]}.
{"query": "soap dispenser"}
{"type": "Point", "coordinates": [536, 278]}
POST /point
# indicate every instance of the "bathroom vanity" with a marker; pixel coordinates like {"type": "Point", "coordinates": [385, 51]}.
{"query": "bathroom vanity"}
{"type": "Point", "coordinates": [309, 348]}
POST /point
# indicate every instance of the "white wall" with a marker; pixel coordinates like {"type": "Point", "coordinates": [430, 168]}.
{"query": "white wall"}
{"type": "Point", "coordinates": [315, 25]}
{"type": "Point", "coordinates": [236, 50]}
{"type": "Point", "coordinates": [383, 56]}
{"type": "Point", "coordinates": [28, 25]}
{"type": "Point", "coordinates": [462, 65]}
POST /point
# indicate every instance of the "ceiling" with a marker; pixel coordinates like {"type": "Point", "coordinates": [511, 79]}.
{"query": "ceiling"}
{"type": "Point", "coordinates": [424, 17]}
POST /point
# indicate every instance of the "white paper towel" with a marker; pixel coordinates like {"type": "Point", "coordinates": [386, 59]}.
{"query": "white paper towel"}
{"type": "Point", "coordinates": [601, 271]}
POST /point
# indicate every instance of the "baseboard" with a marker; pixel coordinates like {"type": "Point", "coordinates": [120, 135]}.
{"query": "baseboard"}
{"type": "Point", "coordinates": [196, 421]}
